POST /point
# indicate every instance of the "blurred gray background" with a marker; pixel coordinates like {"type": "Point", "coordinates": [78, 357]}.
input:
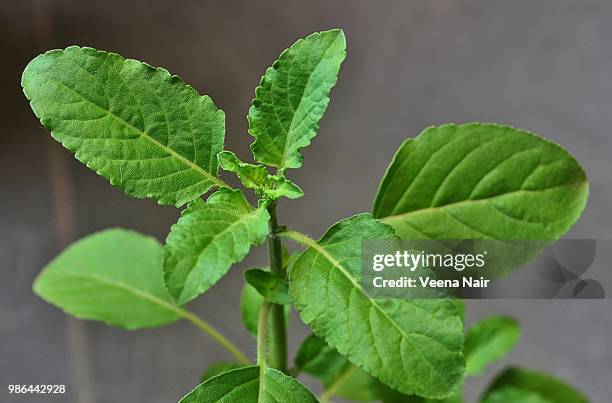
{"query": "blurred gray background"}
{"type": "Point", "coordinates": [545, 66]}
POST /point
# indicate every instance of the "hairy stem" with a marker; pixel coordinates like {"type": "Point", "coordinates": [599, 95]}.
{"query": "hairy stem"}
{"type": "Point", "coordinates": [262, 341]}
{"type": "Point", "coordinates": [297, 237]}
{"type": "Point", "coordinates": [279, 331]}
{"type": "Point", "coordinates": [214, 333]}
{"type": "Point", "coordinates": [262, 334]}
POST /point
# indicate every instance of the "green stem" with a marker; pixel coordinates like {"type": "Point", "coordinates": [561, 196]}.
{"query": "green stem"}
{"type": "Point", "coordinates": [262, 334]}
{"type": "Point", "coordinates": [262, 341]}
{"type": "Point", "coordinates": [214, 333]}
{"type": "Point", "coordinates": [279, 330]}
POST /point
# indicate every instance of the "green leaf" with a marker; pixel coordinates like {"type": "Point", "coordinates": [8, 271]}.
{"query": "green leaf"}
{"type": "Point", "coordinates": [343, 379]}
{"type": "Point", "coordinates": [269, 286]}
{"type": "Point", "coordinates": [339, 376]}
{"type": "Point", "coordinates": [217, 369]}
{"type": "Point", "coordinates": [283, 187]}
{"type": "Point", "coordinates": [507, 395]}
{"type": "Point", "coordinates": [488, 341]}
{"type": "Point", "coordinates": [243, 385]}
{"type": "Point", "coordinates": [481, 181]}
{"type": "Point", "coordinates": [250, 304]}
{"type": "Point", "coordinates": [411, 345]}
{"type": "Point", "coordinates": [317, 358]}
{"type": "Point", "coordinates": [257, 177]}
{"type": "Point", "coordinates": [388, 395]}
{"type": "Point", "coordinates": [251, 300]}
{"type": "Point", "coordinates": [140, 127]}
{"type": "Point", "coordinates": [251, 176]}
{"type": "Point", "coordinates": [460, 307]}
{"type": "Point", "coordinates": [289, 259]}
{"type": "Point", "coordinates": [238, 385]}
{"type": "Point", "coordinates": [208, 238]}
{"type": "Point", "coordinates": [280, 388]}
{"type": "Point", "coordinates": [100, 275]}
{"type": "Point", "coordinates": [548, 388]}
{"type": "Point", "coordinates": [292, 97]}
{"type": "Point", "coordinates": [352, 383]}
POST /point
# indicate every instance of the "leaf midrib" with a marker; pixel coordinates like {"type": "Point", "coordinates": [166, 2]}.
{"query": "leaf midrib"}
{"type": "Point", "coordinates": [491, 344]}
{"type": "Point", "coordinates": [291, 129]}
{"type": "Point", "coordinates": [240, 219]}
{"type": "Point", "coordinates": [238, 389]}
{"type": "Point", "coordinates": [125, 287]}
{"type": "Point", "coordinates": [311, 243]}
{"type": "Point", "coordinates": [344, 376]}
{"type": "Point", "coordinates": [425, 210]}
{"type": "Point", "coordinates": [146, 136]}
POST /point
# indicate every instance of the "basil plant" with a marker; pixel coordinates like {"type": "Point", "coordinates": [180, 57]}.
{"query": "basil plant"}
{"type": "Point", "coordinates": [153, 136]}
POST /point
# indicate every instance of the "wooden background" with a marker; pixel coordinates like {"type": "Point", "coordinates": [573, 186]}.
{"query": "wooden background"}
{"type": "Point", "coordinates": [545, 66]}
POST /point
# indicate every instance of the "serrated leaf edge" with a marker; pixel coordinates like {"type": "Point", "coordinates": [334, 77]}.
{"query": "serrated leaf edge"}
{"type": "Point", "coordinates": [171, 79]}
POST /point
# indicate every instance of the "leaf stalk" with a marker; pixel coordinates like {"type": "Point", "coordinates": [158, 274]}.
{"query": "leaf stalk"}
{"type": "Point", "coordinates": [215, 334]}
{"type": "Point", "coordinates": [298, 237]}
